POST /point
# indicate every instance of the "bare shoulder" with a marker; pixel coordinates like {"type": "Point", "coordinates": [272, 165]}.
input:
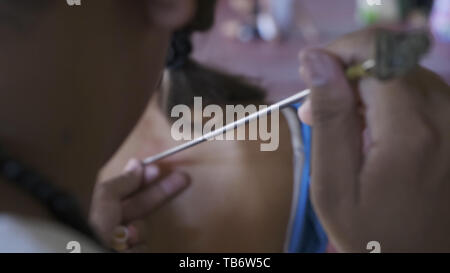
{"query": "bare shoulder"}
{"type": "Point", "coordinates": [239, 201]}
{"type": "Point", "coordinates": [240, 197]}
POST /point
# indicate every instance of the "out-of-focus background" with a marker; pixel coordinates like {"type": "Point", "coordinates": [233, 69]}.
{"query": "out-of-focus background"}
{"type": "Point", "coordinates": [270, 57]}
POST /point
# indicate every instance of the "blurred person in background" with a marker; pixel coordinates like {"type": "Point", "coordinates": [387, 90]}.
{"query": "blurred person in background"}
{"type": "Point", "coordinates": [74, 82]}
{"type": "Point", "coordinates": [271, 20]}
{"type": "Point", "coordinates": [414, 12]}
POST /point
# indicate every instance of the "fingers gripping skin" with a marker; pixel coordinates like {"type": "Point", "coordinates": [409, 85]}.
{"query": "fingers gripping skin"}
{"type": "Point", "coordinates": [150, 198]}
{"type": "Point", "coordinates": [119, 204]}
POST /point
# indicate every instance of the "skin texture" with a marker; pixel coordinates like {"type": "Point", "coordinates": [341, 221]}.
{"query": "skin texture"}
{"type": "Point", "coordinates": [75, 80]}
{"type": "Point", "coordinates": [239, 199]}
{"type": "Point", "coordinates": [394, 183]}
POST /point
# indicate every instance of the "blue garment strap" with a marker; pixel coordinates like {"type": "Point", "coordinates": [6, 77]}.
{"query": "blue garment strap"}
{"type": "Point", "coordinates": [308, 235]}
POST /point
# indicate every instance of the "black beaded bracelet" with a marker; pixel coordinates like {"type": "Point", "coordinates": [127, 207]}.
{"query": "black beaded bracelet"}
{"type": "Point", "coordinates": [60, 204]}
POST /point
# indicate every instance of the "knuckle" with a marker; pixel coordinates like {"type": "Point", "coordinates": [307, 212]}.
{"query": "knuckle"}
{"type": "Point", "coordinates": [108, 188]}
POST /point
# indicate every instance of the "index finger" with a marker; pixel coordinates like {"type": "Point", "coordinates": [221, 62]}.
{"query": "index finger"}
{"type": "Point", "coordinates": [127, 183]}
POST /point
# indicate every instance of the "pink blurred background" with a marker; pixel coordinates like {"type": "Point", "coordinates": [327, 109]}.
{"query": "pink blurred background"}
{"type": "Point", "coordinates": [275, 65]}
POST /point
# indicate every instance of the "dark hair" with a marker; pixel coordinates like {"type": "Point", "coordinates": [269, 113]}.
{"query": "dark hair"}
{"type": "Point", "coordinates": [186, 78]}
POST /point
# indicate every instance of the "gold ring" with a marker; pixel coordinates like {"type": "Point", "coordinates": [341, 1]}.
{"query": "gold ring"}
{"type": "Point", "coordinates": [120, 238]}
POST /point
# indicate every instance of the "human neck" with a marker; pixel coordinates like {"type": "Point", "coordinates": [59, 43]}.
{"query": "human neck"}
{"type": "Point", "coordinates": [61, 163]}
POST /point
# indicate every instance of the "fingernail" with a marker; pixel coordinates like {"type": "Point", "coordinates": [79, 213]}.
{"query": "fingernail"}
{"type": "Point", "coordinates": [132, 165]}
{"type": "Point", "coordinates": [316, 67]}
{"type": "Point", "coordinates": [175, 183]}
{"type": "Point", "coordinates": [151, 172]}
{"type": "Point", "coordinates": [305, 112]}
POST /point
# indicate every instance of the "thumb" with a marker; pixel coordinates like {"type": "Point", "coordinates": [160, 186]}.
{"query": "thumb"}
{"type": "Point", "coordinates": [336, 150]}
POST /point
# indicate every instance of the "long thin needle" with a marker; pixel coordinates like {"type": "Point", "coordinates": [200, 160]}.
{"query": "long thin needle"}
{"type": "Point", "coordinates": [231, 126]}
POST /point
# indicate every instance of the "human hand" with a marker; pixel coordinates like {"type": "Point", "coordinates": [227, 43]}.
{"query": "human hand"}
{"type": "Point", "coordinates": [119, 203]}
{"type": "Point", "coordinates": [380, 154]}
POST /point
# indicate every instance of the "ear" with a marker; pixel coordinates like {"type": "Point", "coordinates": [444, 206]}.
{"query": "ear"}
{"type": "Point", "coordinates": [171, 14]}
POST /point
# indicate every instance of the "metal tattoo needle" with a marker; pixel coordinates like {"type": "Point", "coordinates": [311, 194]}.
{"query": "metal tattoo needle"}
{"type": "Point", "coordinates": [231, 126]}
{"type": "Point", "coordinates": [353, 72]}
